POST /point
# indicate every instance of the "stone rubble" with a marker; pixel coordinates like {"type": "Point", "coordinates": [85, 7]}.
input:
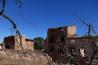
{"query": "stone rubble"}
{"type": "Point", "coordinates": [24, 58]}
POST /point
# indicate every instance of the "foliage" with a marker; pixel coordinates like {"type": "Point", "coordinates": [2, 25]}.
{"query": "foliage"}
{"type": "Point", "coordinates": [38, 42]}
{"type": "Point", "coordinates": [38, 39]}
{"type": "Point", "coordinates": [72, 61]}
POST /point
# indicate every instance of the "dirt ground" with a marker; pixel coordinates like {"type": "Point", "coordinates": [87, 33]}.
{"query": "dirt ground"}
{"type": "Point", "coordinates": [18, 58]}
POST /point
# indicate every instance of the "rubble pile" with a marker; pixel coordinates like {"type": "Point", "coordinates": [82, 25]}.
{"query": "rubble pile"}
{"type": "Point", "coordinates": [10, 57]}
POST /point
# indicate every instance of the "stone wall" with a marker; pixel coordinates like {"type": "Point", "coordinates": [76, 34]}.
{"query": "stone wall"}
{"type": "Point", "coordinates": [14, 43]}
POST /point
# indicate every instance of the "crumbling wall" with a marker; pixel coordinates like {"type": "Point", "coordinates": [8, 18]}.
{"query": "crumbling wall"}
{"type": "Point", "coordinates": [13, 42]}
{"type": "Point", "coordinates": [56, 39]}
{"type": "Point", "coordinates": [74, 50]}
{"type": "Point", "coordinates": [9, 43]}
{"type": "Point", "coordinates": [10, 57]}
{"type": "Point", "coordinates": [70, 31]}
{"type": "Point", "coordinates": [88, 46]}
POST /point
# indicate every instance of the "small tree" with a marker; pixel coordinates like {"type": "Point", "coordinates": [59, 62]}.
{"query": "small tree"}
{"type": "Point", "coordinates": [38, 43]}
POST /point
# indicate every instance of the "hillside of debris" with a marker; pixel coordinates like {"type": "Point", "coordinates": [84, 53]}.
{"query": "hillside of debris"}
{"type": "Point", "coordinates": [11, 57]}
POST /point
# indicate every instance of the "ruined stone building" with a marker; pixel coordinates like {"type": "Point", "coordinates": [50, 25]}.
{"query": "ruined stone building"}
{"type": "Point", "coordinates": [64, 46]}
{"type": "Point", "coordinates": [81, 48]}
{"type": "Point", "coordinates": [13, 42]}
{"type": "Point", "coordinates": [56, 41]}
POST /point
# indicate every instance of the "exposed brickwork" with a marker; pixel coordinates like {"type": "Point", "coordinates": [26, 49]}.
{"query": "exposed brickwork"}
{"type": "Point", "coordinates": [63, 45]}
{"type": "Point", "coordinates": [13, 42]}
{"type": "Point", "coordinates": [56, 41]}
{"type": "Point", "coordinates": [71, 31]}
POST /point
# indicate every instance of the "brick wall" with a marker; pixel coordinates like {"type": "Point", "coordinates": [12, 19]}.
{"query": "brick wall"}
{"type": "Point", "coordinates": [63, 44]}
{"type": "Point", "coordinates": [15, 40]}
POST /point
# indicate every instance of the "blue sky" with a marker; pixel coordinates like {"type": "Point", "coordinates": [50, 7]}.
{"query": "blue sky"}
{"type": "Point", "coordinates": [36, 16]}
